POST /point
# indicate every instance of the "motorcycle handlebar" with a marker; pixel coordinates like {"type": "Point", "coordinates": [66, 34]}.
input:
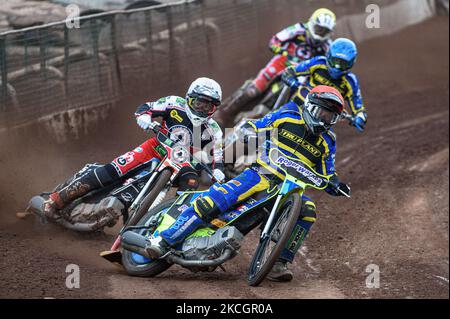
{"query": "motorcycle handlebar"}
{"type": "Point", "coordinates": [346, 116]}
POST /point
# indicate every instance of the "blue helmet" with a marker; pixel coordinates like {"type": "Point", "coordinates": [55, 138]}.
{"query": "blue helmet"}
{"type": "Point", "coordinates": [341, 56]}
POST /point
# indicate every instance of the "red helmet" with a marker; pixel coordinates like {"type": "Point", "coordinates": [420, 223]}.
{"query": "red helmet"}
{"type": "Point", "coordinates": [322, 108]}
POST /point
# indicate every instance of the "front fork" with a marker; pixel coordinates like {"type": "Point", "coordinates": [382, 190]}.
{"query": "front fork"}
{"type": "Point", "coordinates": [135, 205]}
{"type": "Point", "coordinates": [285, 189]}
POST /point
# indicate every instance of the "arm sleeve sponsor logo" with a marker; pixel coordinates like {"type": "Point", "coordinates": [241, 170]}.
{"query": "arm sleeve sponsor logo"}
{"type": "Point", "coordinates": [162, 100]}
{"type": "Point", "coordinates": [180, 101]}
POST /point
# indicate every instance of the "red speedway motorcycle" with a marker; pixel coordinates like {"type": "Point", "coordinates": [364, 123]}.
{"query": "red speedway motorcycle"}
{"type": "Point", "coordinates": [103, 207]}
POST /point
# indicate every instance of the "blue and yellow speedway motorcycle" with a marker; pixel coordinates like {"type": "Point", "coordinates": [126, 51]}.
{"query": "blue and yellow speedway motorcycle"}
{"type": "Point", "coordinates": [276, 210]}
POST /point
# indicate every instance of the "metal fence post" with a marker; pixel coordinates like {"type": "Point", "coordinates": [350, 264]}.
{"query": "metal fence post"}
{"type": "Point", "coordinates": [95, 47]}
{"type": "Point", "coordinates": [149, 35]}
{"type": "Point", "coordinates": [171, 44]}
{"type": "Point", "coordinates": [4, 72]}
{"type": "Point", "coordinates": [43, 52]}
{"type": "Point", "coordinates": [208, 41]}
{"type": "Point", "coordinates": [66, 64]}
{"type": "Point", "coordinates": [187, 38]}
{"type": "Point", "coordinates": [115, 51]}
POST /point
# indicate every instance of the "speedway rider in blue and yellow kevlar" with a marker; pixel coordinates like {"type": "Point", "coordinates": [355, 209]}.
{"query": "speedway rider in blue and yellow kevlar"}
{"type": "Point", "coordinates": [300, 132]}
{"type": "Point", "coordinates": [294, 44]}
{"type": "Point", "coordinates": [331, 70]}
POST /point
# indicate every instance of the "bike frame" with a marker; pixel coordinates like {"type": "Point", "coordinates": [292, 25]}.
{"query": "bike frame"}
{"type": "Point", "coordinates": [290, 184]}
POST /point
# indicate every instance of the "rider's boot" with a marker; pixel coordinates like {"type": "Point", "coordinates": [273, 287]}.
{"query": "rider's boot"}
{"type": "Point", "coordinates": [280, 272]}
{"type": "Point", "coordinates": [187, 222]}
{"type": "Point", "coordinates": [236, 103]}
{"type": "Point", "coordinates": [307, 217]}
{"type": "Point", "coordinates": [74, 189]}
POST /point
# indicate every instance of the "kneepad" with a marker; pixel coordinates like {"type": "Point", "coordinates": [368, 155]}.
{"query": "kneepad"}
{"type": "Point", "coordinates": [105, 174]}
{"type": "Point", "coordinates": [308, 212]}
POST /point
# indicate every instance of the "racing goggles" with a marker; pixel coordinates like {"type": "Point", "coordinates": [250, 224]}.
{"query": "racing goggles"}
{"type": "Point", "coordinates": [325, 116]}
{"type": "Point", "coordinates": [203, 106]}
{"type": "Point", "coordinates": [340, 64]}
{"type": "Point", "coordinates": [321, 31]}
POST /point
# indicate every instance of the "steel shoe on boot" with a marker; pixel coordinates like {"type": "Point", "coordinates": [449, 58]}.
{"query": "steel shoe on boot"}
{"type": "Point", "coordinates": [280, 272]}
{"type": "Point", "coordinates": [45, 207]}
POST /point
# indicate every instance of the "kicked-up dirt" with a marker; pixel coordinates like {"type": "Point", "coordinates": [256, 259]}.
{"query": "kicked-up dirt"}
{"type": "Point", "coordinates": [396, 221]}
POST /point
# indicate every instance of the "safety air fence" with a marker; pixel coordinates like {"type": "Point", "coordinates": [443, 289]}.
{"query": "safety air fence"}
{"type": "Point", "coordinates": [92, 61]}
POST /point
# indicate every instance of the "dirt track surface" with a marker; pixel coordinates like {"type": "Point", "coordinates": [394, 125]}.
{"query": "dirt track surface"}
{"type": "Point", "coordinates": [397, 217]}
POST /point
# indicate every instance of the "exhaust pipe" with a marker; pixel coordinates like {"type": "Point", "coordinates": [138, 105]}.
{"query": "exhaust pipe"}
{"type": "Point", "coordinates": [227, 254]}
{"type": "Point", "coordinates": [137, 243]}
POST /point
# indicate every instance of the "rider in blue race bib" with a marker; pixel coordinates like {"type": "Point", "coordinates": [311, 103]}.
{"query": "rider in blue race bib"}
{"type": "Point", "coordinates": [303, 133]}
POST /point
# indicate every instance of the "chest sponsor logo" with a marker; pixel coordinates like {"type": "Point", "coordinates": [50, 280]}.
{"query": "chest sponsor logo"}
{"type": "Point", "coordinates": [320, 79]}
{"type": "Point", "coordinates": [174, 114]}
{"type": "Point", "coordinates": [304, 144]}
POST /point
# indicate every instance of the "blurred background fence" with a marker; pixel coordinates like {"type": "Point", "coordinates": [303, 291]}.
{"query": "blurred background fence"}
{"type": "Point", "coordinates": [49, 69]}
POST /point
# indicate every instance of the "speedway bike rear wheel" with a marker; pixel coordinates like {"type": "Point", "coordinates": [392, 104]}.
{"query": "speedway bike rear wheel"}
{"type": "Point", "coordinates": [270, 247]}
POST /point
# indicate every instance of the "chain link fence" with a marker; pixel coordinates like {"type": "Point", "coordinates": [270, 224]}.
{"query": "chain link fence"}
{"type": "Point", "coordinates": [62, 66]}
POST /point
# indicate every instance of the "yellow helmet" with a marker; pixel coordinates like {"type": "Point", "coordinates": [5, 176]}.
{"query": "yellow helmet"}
{"type": "Point", "coordinates": [321, 24]}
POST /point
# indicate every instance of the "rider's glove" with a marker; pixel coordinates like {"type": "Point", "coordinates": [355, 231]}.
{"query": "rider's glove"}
{"type": "Point", "coordinates": [218, 175]}
{"type": "Point", "coordinates": [334, 189]}
{"type": "Point", "coordinates": [144, 121]}
{"type": "Point", "coordinates": [335, 185]}
{"type": "Point", "coordinates": [344, 189]}
{"type": "Point", "coordinates": [360, 121]}
{"type": "Point", "coordinates": [154, 125]}
{"type": "Point", "coordinates": [289, 77]}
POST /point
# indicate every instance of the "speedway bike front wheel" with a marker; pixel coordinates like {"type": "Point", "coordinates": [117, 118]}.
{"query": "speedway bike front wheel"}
{"type": "Point", "coordinates": [271, 246]}
{"type": "Point", "coordinates": [136, 265]}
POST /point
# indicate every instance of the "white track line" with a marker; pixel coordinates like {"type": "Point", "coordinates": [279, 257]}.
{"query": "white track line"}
{"type": "Point", "coordinates": [442, 278]}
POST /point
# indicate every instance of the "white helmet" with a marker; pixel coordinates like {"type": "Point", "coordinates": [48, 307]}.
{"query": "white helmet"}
{"type": "Point", "coordinates": [321, 24]}
{"type": "Point", "coordinates": [203, 97]}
